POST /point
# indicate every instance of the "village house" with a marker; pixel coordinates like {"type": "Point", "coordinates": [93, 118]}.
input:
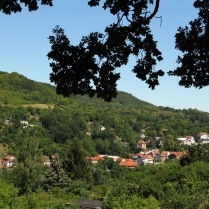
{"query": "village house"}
{"type": "Point", "coordinates": [156, 155]}
{"type": "Point", "coordinates": [164, 155]}
{"type": "Point", "coordinates": [114, 158]}
{"type": "Point", "coordinates": [187, 140]}
{"type": "Point", "coordinates": [50, 159]}
{"type": "Point", "coordinates": [47, 161]}
{"type": "Point", "coordinates": [24, 122]}
{"type": "Point", "coordinates": [8, 161]}
{"type": "Point", "coordinates": [142, 144]}
{"type": "Point", "coordinates": [203, 137]}
{"type": "Point", "coordinates": [102, 128]}
{"type": "Point", "coordinates": [150, 158]}
{"type": "Point", "coordinates": [129, 163]}
{"type": "Point", "coordinates": [95, 159]}
{"type": "Point", "coordinates": [143, 159]}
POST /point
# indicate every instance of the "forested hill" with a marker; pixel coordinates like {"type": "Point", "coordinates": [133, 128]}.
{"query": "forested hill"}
{"type": "Point", "coordinates": [78, 115]}
{"type": "Point", "coordinates": [16, 89]}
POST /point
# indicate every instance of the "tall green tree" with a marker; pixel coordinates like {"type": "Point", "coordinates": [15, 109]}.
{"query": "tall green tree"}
{"type": "Point", "coordinates": [55, 176]}
{"type": "Point", "coordinates": [27, 173]}
{"type": "Point", "coordinates": [76, 164]}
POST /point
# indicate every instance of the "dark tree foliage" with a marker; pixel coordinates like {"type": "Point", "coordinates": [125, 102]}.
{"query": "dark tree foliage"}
{"type": "Point", "coordinates": [55, 176]}
{"type": "Point", "coordinates": [193, 42]}
{"type": "Point", "coordinates": [76, 164]}
{"type": "Point", "coordinates": [89, 68]}
{"type": "Point", "coordinates": [13, 6]}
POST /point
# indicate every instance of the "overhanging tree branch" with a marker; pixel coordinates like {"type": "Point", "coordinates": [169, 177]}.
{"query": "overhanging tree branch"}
{"type": "Point", "coordinates": [157, 4]}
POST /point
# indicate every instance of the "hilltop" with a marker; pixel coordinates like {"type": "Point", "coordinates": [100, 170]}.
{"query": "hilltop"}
{"type": "Point", "coordinates": [17, 89]}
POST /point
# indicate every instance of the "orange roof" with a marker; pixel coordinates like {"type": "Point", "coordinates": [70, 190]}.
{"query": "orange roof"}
{"type": "Point", "coordinates": [164, 152]}
{"type": "Point", "coordinates": [140, 155]}
{"type": "Point", "coordinates": [141, 142]}
{"type": "Point", "coordinates": [128, 163]}
{"type": "Point", "coordinates": [149, 157]}
{"type": "Point", "coordinates": [129, 160]}
{"type": "Point", "coordinates": [96, 158]}
{"type": "Point", "coordinates": [179, 153]}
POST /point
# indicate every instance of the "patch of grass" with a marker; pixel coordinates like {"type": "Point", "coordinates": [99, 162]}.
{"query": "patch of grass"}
{"type": "Point", "coordinates": [41, 106]}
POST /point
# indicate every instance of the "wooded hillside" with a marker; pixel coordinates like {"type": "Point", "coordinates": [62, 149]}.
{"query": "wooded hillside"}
{"type": "Point", "coordinates": [37, 124]}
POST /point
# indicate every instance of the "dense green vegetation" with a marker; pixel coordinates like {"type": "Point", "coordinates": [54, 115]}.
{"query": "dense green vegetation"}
{"type": "Point", "coordinates": [69, 128]}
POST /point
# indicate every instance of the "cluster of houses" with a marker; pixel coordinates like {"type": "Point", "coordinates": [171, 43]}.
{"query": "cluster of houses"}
{"type": "Point", "coordinates": [152, 156]}
{"type": "Point", "coordinates": [142, 158]}
{"type": "Point", "coordinates": [7, 161]}
{"type": "Point", "coordinates": [24, 123]}
{"type": "Point", "coordinates": [201, 137]}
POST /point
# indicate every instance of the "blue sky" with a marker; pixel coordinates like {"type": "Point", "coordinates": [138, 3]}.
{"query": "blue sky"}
{"type": "Point", "coordinates": [24, 46]}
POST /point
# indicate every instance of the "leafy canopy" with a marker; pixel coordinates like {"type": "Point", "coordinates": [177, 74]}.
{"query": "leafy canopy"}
{"type": "Point", "coordinates": [89, 67]}
{"type": "Point", "coordinates": [13, 6]}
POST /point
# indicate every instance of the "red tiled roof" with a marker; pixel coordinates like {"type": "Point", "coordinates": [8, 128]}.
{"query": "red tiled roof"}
{"type": "Point", "coordinates": [140, 155]}
{"type": "Point", "coordinates": [141, 142]}
{"type": "Point", "coordinates": [149, 157]}
{"type": "Point", "coordinates": [8, 158]}
{"type": "Point", "coordinates": [96, 158]}
{"type": "Point", "coordinates": [164, 152]}
{"type": "Point", "coordinates": [128, 163]}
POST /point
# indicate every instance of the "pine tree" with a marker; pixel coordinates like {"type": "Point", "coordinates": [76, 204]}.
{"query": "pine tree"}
{"type": "Point", "coordinates": [76, 163]}
{"type": "Point", "coordinates": [55, 176]}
